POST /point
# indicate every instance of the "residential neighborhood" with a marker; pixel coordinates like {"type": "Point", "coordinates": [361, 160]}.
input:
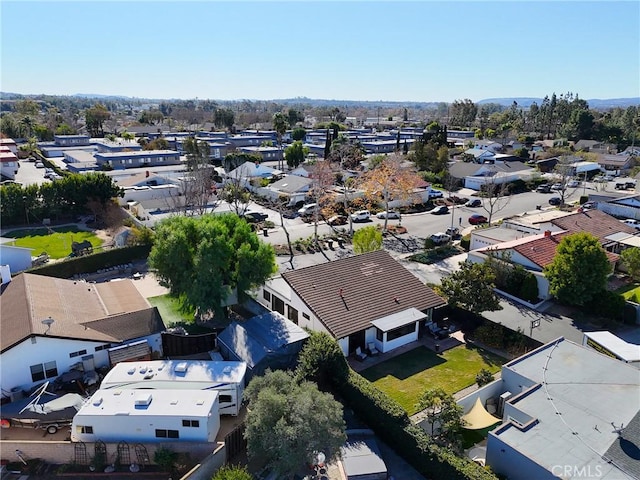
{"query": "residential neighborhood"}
{"type": "Point", "coordinates": [133, 339]}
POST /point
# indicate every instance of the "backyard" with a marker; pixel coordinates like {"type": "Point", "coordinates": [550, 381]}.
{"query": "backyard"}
{"type": "Point", "coordinates": [56, 242]}
{"type": "Point", "coordinates": [406, 376]}
{"type": "Point", "coordinates": [174, 316]}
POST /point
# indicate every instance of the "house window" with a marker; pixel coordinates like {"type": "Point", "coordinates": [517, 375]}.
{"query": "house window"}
{"type": "Point", "coordinates": [401, 331]}
{"type": "Point", "coordinates": [305, 316]}
{"type": "Point", "coordinates": [78, 353]}
{"type": "Point", "coordinates": [88, 429]}
{"type": "Point", "coordinates": [191, 423]}
{"type": "Point", "coordinates": [161, 433]}
{"type": "Point", "coordinates": [293, 315]}
{"type": "Point", "coordinates": [103, 347]}
{"type": "Point", "coordinates": [41, 371]}
{"type": "Point", "coordinates": [277, 304]}
{"type": "Point", "coordinates": [379, 335]}
{"type": "Point", "coordinates": [266, 295]}
{"type": "Point", "coordinates": [225, 398]}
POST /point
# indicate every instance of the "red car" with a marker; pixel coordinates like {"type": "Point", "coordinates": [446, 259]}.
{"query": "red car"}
{"type": "Point", "coordinates": [476, 219]}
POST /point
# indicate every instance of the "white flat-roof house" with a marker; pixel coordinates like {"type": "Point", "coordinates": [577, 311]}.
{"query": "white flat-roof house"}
{"type": "Point", "coordinates": [226, 378]}
{"type": "Point", "coordinates": [148, 416]}
{"type": "Point", "coordinates": [567, 411]}
{"type": "Point", "coordinates": [8, 164]}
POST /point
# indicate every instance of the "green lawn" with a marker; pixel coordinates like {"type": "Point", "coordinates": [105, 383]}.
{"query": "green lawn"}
{"type": "Point", "coordinates": [56, 244]}
{"type": "Point", "coordinates": [630, 292]}
{"type": "Point", "coordinates": [173, 315]}
{"type": "Point", "coordinates": [406, 376]}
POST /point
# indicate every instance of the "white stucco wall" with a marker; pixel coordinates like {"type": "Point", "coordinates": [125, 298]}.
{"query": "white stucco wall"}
{"type": "Point", "coordinates": [15, 363]}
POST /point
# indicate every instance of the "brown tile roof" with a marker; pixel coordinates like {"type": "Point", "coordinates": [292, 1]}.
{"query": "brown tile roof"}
{"type": "Point", "coordinates": [541, 251]}
{"type": "Point", "coordinates": [347, 294]}
{"type": "Point", "coordinates": [597, 223]}
{"type": "Point", "coordinates": [108, 312]}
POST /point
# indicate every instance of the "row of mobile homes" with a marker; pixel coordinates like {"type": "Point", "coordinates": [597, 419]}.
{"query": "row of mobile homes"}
{"type": "Point", "coordinates": [226, 378]}
{"type": "Point", "coordinates": [117, 415]}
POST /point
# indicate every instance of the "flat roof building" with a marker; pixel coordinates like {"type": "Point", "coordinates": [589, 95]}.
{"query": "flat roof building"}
{"type": "Point", "coordinates": [571, 412]}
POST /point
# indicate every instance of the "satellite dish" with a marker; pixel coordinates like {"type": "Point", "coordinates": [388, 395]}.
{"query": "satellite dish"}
{"type": "Point", "coordinates": [48, 322]}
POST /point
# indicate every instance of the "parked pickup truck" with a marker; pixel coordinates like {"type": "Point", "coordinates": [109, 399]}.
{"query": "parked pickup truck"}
{"type": "Point", "coordinates": [255, 217]}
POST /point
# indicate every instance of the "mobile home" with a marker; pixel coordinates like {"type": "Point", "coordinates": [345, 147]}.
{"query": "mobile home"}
{"type": "Point", "coordinates": [117, 415]}
{"type": "Point", "coordinates": [226, 378]}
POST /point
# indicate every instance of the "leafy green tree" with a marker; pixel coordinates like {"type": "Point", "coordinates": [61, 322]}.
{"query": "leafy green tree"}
{"type": "Point", "coordinates": [203, 260]}
{"type": "Point", "coordinates": [321, 361]}
{"type": "Point", "coordinates": [295, 154]}
{"type": "Point", "coordinates": [95, 118]}
{"type": "Point", "coordinates": [579, 269]}
{"type": "Point", "coordinates": [65, 129]}
{"type": "Point", "coordinates": [471, 288]}
{"type": "Point", "coordinates": [288, 422]}
{"type": "Point", "coordinates": [631, 260]}
{"type": "Point", "coordinates": [298, 134]}
{"type": "Point", "coordinates": [294, 116]}
{"type": "Point", "coordinates": [224, 117]}
{"type": "Point", "coordinates": [442, 408]}
{"type": "Point", "coordinates": [30, 149]}
{"type": "Point", "coordinates": [232, 472]}
{"type": "Point", "coordinates": [367, 239]}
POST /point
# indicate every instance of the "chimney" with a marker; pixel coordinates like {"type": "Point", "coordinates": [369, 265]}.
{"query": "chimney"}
{"type": "Point", "coordinates": [547, 233]}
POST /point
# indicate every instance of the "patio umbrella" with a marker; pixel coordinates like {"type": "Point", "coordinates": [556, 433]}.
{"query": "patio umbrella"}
{"type": "Point", "coordinates": [478, 417]}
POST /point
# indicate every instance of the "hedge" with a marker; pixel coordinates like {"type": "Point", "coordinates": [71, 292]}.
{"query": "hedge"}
{"type": "Point", "coordinates": [391, 423]}
{"type": "Point", "coordinates": [93, 263]}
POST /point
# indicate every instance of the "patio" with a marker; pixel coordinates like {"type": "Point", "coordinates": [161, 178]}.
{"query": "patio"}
{"type": "Point", "coordinates": [455, 339]}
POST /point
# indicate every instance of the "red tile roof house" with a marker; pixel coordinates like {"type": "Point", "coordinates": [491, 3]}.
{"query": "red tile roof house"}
{"type": "Point", "coordinates": [49, 324]}
{"type": "Point", "coordinates": [534, 252]}
{"type": "Point", "coordinates": [368, 298]}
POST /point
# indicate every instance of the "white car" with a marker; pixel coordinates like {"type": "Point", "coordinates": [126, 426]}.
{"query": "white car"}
{"type": "Point", "coordinates": [391, 214]}
{"type": "Point", "coordinates": [573, 183]}
{"type": "Point", "coordinates": [557, 186]}
{"type": "Point", "coordinates": [632, 223]}
{"type": "Point", "coordinates": [435, 194]}
{"type": "Point", "coordinates": [440, 238]}
{"type": "Point", "coordinates": [361, 216]}
{"type": "Point", "coordinates": [307, 209]}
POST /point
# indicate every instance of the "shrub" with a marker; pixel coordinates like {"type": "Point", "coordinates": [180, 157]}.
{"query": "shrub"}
{"type": "Point", "coordinates": [465, 242]}
{"type": "Point", "coordinates": [94, 262]}
{"type": "Point", "coordinates": [529, 288]}
{"type": "Point", "coordinates": [607, 304]}
{"type": "Point", "coordinates": [232, 472]}
{"type": "Point", "coordinates": [321, 361]}
{"type": "Point", "coordinates": [484, 377]}
{"type": "Point", "coordinates": [165, 458]}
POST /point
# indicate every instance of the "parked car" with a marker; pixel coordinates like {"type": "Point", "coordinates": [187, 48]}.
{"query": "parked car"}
{"type": "Point", "coordinates": [435, 194]}
{"type": "Point", "coordinates": [361, 216]}
{"type": "Point", "coordinates": [391, 214]}
{"type": "Point", "coordinates": [255, 217]}
{"type": "Point", "coordinates": [474, 202]}
{"type": "Point", "coordinates": [558, 186]}
{"type": "Point", "coordinates": [632, 223]}
{"type": "Point", "coordinates": [39, 164]}
{"type": "Point", "coordinates": [439, 210]}
{"type": "Point", "coordinates": [307, 209]}
{"type": "Point", "coordinates": [476, 219]}
{"type": "Point", "coordinates": [440, 238]}
{"type": "Point", "coordinates": [555, 201]}
{"type": "Point", "coordinates": [337, 220]}
{"type": "Point", "coordinates": [589, 205]}
{"type": "Point", "coordinates": [544, 188]}
{"type": "Point", "coordinates": [573, 183]}
{"type": "Point", "coordinates": [453, 231]}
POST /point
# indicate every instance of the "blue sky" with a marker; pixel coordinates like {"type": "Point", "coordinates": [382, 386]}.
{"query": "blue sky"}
{"type": "Point", "coordinates": [347, 50]}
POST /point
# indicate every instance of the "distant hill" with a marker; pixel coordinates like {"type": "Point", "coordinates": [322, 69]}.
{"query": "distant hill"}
{"type": "Point", "coordinates": [598, 104]}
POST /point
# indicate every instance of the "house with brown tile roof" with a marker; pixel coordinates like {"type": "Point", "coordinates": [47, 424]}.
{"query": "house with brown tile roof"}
{"type": "Point", "coordinates": [359, 300]}
{"type": "Point", "coordinates": [534, 251]}
{"type": "Point", "coordinates": [49, 324]}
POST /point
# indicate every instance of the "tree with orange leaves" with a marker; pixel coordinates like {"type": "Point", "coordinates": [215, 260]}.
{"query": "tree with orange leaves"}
{"type": "Point", "coordinates": [390, 180]}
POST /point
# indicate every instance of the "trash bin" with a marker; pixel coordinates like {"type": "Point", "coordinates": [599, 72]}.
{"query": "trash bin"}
{"type": "Point", "coordinates": [265, 232]}
{"type": "Point", "coordinates": [437, 348]}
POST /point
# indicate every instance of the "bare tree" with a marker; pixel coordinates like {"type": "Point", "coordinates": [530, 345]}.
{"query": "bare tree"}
{"type": "Point", "coordinates": [323, 177]}
{"type": "Point", "coordinates": [496, 194]}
